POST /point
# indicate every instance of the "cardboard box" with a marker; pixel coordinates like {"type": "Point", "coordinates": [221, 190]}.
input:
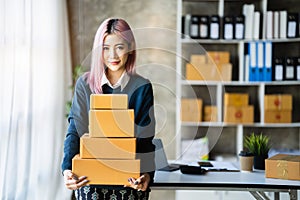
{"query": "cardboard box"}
{"type": "Point", "coordinates": [218, 57]}
{"type": "Point", "coordinates": [210, 114]}
{"type": "Point", "coordinates": [192, 73]}
{"type": "Point", "coordinates": [226, 71]}
{"type": "Point", "coordinates": [243, 114]}
{"type": "Point", "coordinates": [191, 104]}
{"type": "Point", "coordinates": [111, 123]}
{"type": "Point", "coordinates": [105, 171]}
{"type": "Point", "coordinates": [209, 72]}
{"type": "Point", "coordinates": [191, 116]}
{"type": "Point", "coordinates": [109, 101]}
{"type": "Point", "coordinates": [203, 72]}
{"type": "Point", "coordinates": [109, 148]}
{"type": "Point", "coordinates": [191, 110]}
{"type": "Point", "coordinates": [283, 166]}
{"type": "Point", "coordinates": [278, 116]}
{"type": "Point", "coordinates": [198, 59]}
{"type": "Point", "coordinates": [278, 102]}
{"type": "Point", "coordinates": [236, 99]}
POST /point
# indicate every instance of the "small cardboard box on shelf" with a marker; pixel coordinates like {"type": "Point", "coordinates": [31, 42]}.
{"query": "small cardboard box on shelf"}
{"type": "Point", "coordinates": [191, 110]}
{"type": "Point", "coordinates": [236, 99]}
{"type": "Point", "coordinates": [244, 114]}
{"type": "Point", "coordinates": [278, 102]}
{"type": "Point", "coordinates": [278, 116]}
{"type": "Point", "coordinates": [210, 114]}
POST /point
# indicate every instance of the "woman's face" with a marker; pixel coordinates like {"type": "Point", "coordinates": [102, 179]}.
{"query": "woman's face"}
{"type": "Point", "coordinates": [115, 53]}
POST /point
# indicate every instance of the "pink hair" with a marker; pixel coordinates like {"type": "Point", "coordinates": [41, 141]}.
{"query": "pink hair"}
{"type": "Point", "coordinates": [110, 26]}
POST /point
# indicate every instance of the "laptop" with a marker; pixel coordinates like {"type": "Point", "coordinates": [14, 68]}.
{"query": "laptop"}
{"type": "Point", "coordinates": [161, 161]}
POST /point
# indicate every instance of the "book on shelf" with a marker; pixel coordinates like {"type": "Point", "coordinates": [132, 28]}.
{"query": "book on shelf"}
{"type": "Point", "coordinates": [289, 69]}
{"type": "Point", "coordinates": [297, 63]}
{"type": "Point", "coordinates": [248, 12]}
{"type": "Point", "coordinates": [292, 25]}
{"type": "Point", "coordinates": [228, 28]}
{"type": "Point", "coordinates": [194, 27]}
{"type": "Point", "coordinates": [278, 69]}
{"type": "Point", "coordinates": [204, 27]}
{"type": "Point", "coordinates": [269, 25]}
{"type": "Point", "coordinates": [267, 61]}
{"type": "Point", "coordinates": [214, 27]}
{"type": "Point", "coordinates": [260, 60]}
{"type": "Point", "coordinates": [256, 25]}
{"type": "Point", "coordinates": [276, 24]}
{"type": "Point", "coordinates": [282, 23]}
{"type": "Point", "coordinates": [253, 71]}
{"type": "Point", "coordinates": [185, 26]}
{"type": "Point", "coordinates": [239, 27]}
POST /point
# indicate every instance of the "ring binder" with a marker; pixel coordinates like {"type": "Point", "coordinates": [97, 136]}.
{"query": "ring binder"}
{"type": "Point", "coordinates": [239, 28]}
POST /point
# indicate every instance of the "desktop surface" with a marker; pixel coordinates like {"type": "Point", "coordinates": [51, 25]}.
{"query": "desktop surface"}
{"type": "Point", "coordinates": [221, 180]}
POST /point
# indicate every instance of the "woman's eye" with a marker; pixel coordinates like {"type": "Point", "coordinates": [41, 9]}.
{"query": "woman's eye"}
{"type": "Point", "coordinates": [105, 48]}
{"type": "Point", "coordinates": [120, 47]}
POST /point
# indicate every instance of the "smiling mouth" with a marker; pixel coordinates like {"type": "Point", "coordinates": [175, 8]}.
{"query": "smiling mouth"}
{"type": "Point", "coordinates": [114, 62]}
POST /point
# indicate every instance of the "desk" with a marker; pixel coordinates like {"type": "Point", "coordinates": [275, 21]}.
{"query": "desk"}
{"type": "Point", "coordinates": [254, 182]}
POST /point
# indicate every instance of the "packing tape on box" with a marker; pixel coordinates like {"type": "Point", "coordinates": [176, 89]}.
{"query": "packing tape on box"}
{"type": "Point", "coordinates": [282, 166]}
{"type": "Point", "coordinates": [282, 169]}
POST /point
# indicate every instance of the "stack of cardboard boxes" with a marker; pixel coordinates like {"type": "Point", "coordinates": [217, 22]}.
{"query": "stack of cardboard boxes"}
{"type": "Point", "coordinates": [214, 66]}
{"type": "Point", "coordinates": [237, 108]}
{"type": "Point", "coordinates": [108, 152]}
{"type": "Point", "coordinates": [278, 108]}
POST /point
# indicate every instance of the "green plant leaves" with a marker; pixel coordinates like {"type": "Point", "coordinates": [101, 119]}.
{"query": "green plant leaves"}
{"type": "Point", "coordinates": [257, 144]}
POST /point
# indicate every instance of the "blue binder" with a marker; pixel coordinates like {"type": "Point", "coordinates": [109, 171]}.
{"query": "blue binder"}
{"type": "Point", "coordinates": [260, 61]}
{"type": "Point", "coordinates": [268, 61]}
{"type": "Point", "coordinates": [252, 62]}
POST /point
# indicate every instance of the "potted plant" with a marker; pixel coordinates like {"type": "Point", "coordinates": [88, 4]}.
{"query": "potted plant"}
{"type": "Point", "coordinates": [259, 145]}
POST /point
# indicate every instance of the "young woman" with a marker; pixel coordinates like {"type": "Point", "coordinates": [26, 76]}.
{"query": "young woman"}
{"type": "Point", "coordinates": [112, 71]}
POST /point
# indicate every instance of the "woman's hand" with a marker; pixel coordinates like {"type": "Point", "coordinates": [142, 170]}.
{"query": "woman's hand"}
{"type": "Point", "coordinates": [72, 182]}
{"type": "Point", "coordinates": [140, 183]}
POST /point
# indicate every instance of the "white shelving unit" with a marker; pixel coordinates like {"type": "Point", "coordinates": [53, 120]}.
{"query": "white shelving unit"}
{"type": "Point", "coordinates": [231, 135]}
{"type": "Point", "coordinates": [216, 90]}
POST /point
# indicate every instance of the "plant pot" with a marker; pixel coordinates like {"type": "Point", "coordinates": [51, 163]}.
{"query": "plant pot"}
{"type": "Point", "coordinates": [259, 161]}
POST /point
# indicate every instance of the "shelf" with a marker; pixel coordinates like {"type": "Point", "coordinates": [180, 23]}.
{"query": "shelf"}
{"type": "Point", "coordinates": [208, 41]}
{"type": "Point", "coordinates": [212, 124]}
{"type": "Point", "coordinates": [212, 92]}
{"type": "Point", "coordinates": [200, 0]}
{"type": "Point", "coordinates": [211, 83]}
{"type": "Point", "coordinates": [222, 41]}
{"type": "Point", "coordinates": [283, 83]}
{"type": "Point", "coordinates": [275, 125]}
{"type": "Point", "coordinates": [248, 1]}
{"type": "Point", "coordinates": [222, 124]}
{"type": "Point", "coordinates": [203, 124]}
{"type": "Point", "coordinates": [284, 40]}
{"type": "Point", "coordinates": [238, 83]}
